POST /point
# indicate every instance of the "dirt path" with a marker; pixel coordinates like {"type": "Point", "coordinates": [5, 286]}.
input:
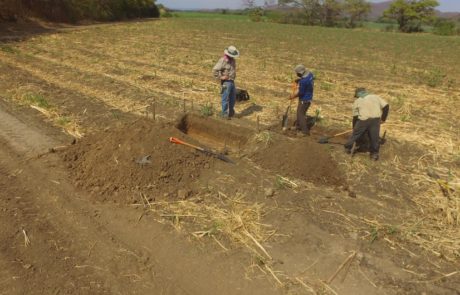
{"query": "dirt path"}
{"type": "Point", "coordinates": [83, 248]}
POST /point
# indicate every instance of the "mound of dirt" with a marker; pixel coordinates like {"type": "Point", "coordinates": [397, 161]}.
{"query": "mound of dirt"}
{"type": "Point", "coordinates": [302, 159]}
{"type": "Point", "coordinates": [120, 164]}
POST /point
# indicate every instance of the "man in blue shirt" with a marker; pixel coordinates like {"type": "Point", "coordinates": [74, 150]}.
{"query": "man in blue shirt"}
{"type": "Point", "coordinates": [305, 94]}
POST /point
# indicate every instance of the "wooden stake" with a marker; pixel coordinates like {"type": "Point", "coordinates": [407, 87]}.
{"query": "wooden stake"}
{"type": "Point", "coordinates": [258, 124]}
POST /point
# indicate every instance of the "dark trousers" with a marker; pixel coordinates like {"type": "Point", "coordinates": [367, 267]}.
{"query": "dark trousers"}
{"type": "Point", "coordinates": [302, 109]}
{"type": "Point", "coordinates": [369, 127]}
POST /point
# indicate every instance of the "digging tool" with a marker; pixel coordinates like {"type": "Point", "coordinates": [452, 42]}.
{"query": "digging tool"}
{"type": "Point", "coordinates": [284, 122]}
{"type": "Point", "coordinates": [56, 149]}
{"type": "Point", "coordinates": [325, 139]}
{"type": "Point", "coordinates": [383, 139]}
{"type": "Point", "coordinates": [203, 150]}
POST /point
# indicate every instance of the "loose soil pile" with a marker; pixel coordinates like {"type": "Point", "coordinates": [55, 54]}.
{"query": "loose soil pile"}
{"type": "Point", "coordinates": [137, 158]}
{"type": "Point", "coordinates": [302, 159]}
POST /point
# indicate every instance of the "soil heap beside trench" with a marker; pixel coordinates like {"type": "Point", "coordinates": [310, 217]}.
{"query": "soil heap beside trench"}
{"type": "Point", "coordinates": [301, 159]}
{"type": "Point", "coordinates": [119, 164]}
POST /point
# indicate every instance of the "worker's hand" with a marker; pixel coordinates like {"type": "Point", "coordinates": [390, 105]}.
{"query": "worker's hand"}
{"type": "Point", "coordinates": [223, 78]}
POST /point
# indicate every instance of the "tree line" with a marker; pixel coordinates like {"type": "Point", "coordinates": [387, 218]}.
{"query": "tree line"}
{"type": "Point", "coordinates": [410, 15]}
{"type": "Point", "coordinates": [330, 13]}
{"type": "Point", "coordinates": [76, 10]}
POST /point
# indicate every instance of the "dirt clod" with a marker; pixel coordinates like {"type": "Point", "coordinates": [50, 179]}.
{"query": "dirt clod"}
{"type": "Point", "coordinates": [269, 192]}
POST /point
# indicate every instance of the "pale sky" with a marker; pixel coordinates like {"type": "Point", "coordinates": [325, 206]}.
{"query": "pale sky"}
{"type": "Point", "coordinates": [446, 5]}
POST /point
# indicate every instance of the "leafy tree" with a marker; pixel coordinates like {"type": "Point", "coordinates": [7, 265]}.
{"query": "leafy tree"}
{"type": "Point", "coordinates": [317, 12]}
{"type": "Point", "coordinates": [357, 11]}
{"type": "Point", "coordinates": [331, 11]}
{"type": "Point", "coordinates": [75, 10]}
{"type": "Point", "coordinates": [411, 14]}
{"type": "Point", "coordinates": [445, 27]}
{"type": "Point", "coordinates": [311, 9]}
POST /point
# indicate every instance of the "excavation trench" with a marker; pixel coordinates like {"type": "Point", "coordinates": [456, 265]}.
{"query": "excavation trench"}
{"type": "Point", "coordinates": [214, 133]}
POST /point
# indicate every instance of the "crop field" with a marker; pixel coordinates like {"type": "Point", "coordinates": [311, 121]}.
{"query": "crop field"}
{"type": "Point", "coordinates": [354, 227]}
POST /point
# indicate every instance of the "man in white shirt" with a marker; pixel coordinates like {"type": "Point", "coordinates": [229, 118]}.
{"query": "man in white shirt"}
{"type": "Point", "coordinates": [369, 111]}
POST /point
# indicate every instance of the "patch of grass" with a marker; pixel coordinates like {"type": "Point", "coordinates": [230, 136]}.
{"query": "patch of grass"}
{"type": "Point", "coordinates": [434, 77]}
{"type": "Point", "coordinates": [63, 121]}
{"type": "Point", "coordinates": [285, 78]}
{"type": "Point", "coordinates": [116, 114]}
{"type": "Point", "coordinates": [283, 182]}
{"type": "Point", "coordinates": [8, 49]}
{"type": "Point", "coordinates": [326, 86]}
{"type": "Point", "coordinates": [377, 232]}
{"type": "Point", "coordinates": [206, 110]}
{"type": "Point", "coordinates": [398, 102]}
{"type": "Point", "coordinates": [36, 99]}
{"type": "Point", "coordinates": [374, 234]}
{"type": "Point", "coordinates": [265, 137]}
{"type": "Point", "coordinates": [406, 117]}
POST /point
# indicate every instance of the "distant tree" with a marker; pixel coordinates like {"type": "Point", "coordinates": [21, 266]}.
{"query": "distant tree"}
{"type": "Point", "coordinates": [316, 12]}
{"type": "Point", "coordinates": [356, 10]}
{"type": "Point", "coordinates": [445, 27]}
{"type": "Point", "coordinates": [255, 13]}
{"type": "Point", "coordinates": [330, 12]}
{"type": "Point", "coordinates": [310, 8]}
{"type": "Point", "coordinates": [411, 14]}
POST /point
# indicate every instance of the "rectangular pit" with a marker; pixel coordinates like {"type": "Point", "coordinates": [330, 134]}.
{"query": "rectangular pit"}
{"type": "Point", "coordinates": [215, 133]}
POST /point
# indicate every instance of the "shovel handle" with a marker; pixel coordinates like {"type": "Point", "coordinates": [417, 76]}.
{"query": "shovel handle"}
{"type": "Point", "coordinates": [178, 141]}
{"type": "Point", "coordinates": [341, 133]}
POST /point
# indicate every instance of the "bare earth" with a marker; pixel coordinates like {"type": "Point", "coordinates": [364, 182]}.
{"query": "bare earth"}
{"type": "Point", "coordinates": [286, 218]}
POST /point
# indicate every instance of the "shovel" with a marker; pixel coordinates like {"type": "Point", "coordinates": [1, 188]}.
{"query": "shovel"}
{"type": "Point", "coordinates": [203, 150]}
{"type": "Point", "coordinates": [284, 122]}
{"type": "Point", "coordinates": [325, 139]}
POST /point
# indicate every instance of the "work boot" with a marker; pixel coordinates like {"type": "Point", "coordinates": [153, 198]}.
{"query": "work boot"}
{"type": "Point", "coordinates": [300, 134]}
{"type": "Point", "coordinates": [374, 157]}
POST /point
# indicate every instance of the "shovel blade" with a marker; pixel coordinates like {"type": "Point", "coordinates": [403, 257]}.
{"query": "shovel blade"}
{"type": "Point", "coordinates": [284, 122]}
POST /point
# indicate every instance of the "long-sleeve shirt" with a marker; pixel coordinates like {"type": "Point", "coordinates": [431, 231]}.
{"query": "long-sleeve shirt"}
{"type": "Point", "coordinates": [226, 66]}
{"type": "Point", "coordinates": [306, 87]}
{"type": "Point", "coordinates": [369, 107]}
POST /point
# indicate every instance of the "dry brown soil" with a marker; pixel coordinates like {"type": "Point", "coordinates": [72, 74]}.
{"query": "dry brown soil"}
{"type": "Point", "coordinates": [83, 209]}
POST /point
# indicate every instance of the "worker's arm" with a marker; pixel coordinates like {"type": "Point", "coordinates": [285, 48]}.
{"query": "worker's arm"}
{"type": "Point", "coordinates": [355, 111]}
{"type": "Point", "coordinates": [294, 95]}
{"type": "Point", "coordinates": [385, 112]}
{"type": "Point", "coordinates": [295, 90]}
{"type": "Point", "coordinates": [217, 70]}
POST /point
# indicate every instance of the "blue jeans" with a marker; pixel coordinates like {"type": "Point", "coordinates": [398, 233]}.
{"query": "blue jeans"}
{"type": "Point", "coordinates": [228, 98]}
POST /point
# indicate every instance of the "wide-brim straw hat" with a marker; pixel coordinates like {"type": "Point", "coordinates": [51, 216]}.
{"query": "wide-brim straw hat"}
{"type": "Point", "coordinates": [232, 51]}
